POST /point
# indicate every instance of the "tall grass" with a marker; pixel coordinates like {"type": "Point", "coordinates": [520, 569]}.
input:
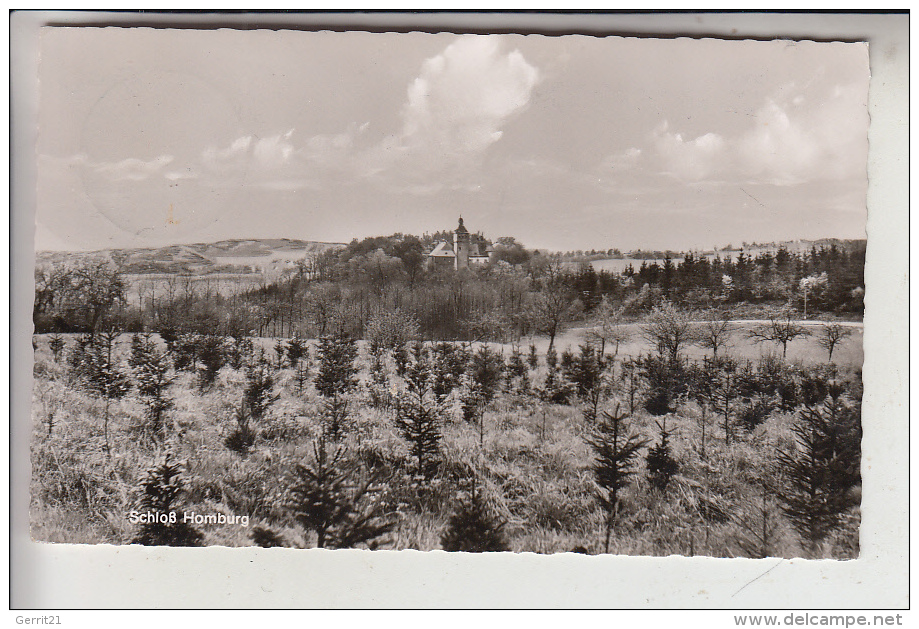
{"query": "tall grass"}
{"type": "Point", "coordinates": [528, 457]}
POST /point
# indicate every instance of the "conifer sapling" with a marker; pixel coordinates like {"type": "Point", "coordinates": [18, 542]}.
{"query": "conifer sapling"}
{"type": "Point", "coordinates": [473, 528]}
{"type": "Point", "coordinates": [162, 488]}
{"type": "Point", "coordinates": [615, 450]}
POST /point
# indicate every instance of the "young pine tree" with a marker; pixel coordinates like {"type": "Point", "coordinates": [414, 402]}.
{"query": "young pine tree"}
{"type": "Point", "coordinates": [296, 350]}
{"type": "Point", "coordinates": [615, 451]}
{"type": "Point", "coordinates": [151, 376]}
{"type": "Point", "coordinates": [448, 367]}
{"type": "Point", "coordinates": [210, 354]}
{"type": "Point", "coordinates": [701, 390]}
{"type": "Point", "coordinates": [337, 372]}
{"type": "Point", "coordinates": [724, 391]}
{"type": "Point", "coordinates": [822, 471]}
{"type": "Point", "coordinates": [630, 377]}
{"type": "Point", "coordinates": [585, 371]}
{"type": "Point", "coordinates": [336, 377]}
{"type": "Point", "coordinates": [418, 417]}
{"type": "Point", "coordinates": [486, 369]}
{"type": "Point", "coordinates": [162, 488]}
{"type": "Point", "coordinates": [378, 387]}
{"type": "Point", "coordinates": [280, 351]}
{"type": "Point", "coordinates": [258, 393]}
{"type": "Point", "coordinates": [335, 501]}
{"type": "Point", "coordinates": [473, 528]}
{"type": "Point", "coordinates": [552, 359]}
{"type": "Point", "coordinates": [661, 465]}
{"type": "Point", "coordinates": [242, 438]}
{"type": "Point", "coordinates": [57, 345]}
{"type": "Point", "coordinates": [103, 376]}
{"type": "Point", "coordinates": [302, 375]}
{"type": "Point", "coordinates": [532, 358]}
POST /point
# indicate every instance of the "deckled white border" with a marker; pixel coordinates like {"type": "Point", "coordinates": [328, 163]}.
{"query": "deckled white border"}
{"type": "Point", "coordinates": [65, 576]}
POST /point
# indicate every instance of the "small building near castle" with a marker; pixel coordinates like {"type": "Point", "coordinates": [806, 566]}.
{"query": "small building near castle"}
{"type": "Point", "coordinates": [462, 253]}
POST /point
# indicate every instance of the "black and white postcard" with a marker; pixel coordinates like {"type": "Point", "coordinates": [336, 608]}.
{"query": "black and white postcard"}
{"type": "Point", "coordinates": [480, 293]}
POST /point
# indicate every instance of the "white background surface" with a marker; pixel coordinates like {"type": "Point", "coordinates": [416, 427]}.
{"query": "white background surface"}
{"type": "Point", "coordinates": [70, 576]}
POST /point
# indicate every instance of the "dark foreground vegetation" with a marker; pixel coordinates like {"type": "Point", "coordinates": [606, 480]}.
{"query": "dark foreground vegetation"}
{"type": "Point", "coordinates": [355, 403]}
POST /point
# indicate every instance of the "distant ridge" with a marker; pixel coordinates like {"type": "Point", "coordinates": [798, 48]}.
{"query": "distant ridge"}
{"type": "Point", "coordinates": [242, 255]}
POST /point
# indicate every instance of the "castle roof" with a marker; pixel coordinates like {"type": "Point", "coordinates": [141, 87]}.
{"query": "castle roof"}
{"type": "Point", "coordinates": [442, 251]}
{"type": "Point", "coordinates": [461, 229]}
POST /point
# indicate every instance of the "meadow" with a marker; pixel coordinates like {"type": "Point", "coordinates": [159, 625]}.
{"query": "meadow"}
{"type": "Point", "coordinates": [525, 459]}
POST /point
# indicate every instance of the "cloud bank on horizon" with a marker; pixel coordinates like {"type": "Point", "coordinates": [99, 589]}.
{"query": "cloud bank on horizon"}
{"type": "Point", "coordinates": [565, 143]}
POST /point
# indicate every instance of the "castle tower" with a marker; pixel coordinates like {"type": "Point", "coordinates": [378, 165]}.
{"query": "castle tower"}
{"type": "Point", "coordinates": [461, 245]}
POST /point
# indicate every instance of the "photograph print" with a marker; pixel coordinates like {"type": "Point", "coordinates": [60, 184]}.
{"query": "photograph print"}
{"type": "Point", "coordinates": [475, 293]}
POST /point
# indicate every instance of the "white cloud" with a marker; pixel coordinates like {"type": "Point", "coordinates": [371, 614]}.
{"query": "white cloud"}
{"type": "Point", "coordinates": [464, 95]}
{"type": "Point", "coordinates": [286, 185]}
{"type": "Point", "coordinates": [269, 152]}
{"type": "Point", "coordinates": [233, 154]}
{"type": "Point", "coordinates": [792, 138]}
{"type": "Point", "coordinates": [178, 175]}
{"type": "Point", "coordinates": [273, 151]}
{"type": "Point", "coordinates": [332, 149]}
{"type": "Point", "coordinates": [131, 169]}
{"type": "Point", "coordinates": [690, 160]}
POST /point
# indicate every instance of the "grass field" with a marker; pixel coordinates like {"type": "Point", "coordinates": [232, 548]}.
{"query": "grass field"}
{"type": "Point", "coordinates": [531, 459]}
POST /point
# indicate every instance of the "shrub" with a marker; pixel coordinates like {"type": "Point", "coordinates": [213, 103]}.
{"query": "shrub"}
{"type": "Point", "coordinates": [532, 358]}
{"type": "Point", "coordinates": [486, 370]}
{"type": "Point", "coordinates": [822, 471]}
{"type": "Point", "coordinates": [337, 372]}
{"type": "Point", "coordinates": [210, 353]}
{"type": "Point", "coordinates": [324, 497]}
{"type": "Point", "coordinates": [257, 395]}
{"type": "Point", "coordinates": [242, 438]}
{"type": "Point", "coordinates": [57, 345]}
{"type": "Point", "coordinates": [162, 488]}
{"type": "Point", "coordinates": [266, 538]}
{"type": "Point", "coordinates": [390, 329]}
{"type": "Point", "coordinates": [473, 529]}
{"type": "Point", "coordinates": [661, 465]}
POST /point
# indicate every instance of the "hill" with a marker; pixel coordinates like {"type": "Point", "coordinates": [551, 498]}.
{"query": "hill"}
{"type": "Point", "coordinates": [237, 256]}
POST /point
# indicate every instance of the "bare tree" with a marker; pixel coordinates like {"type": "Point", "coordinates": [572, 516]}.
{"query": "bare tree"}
{"type": "Point", "coordinates": [831, 335]}
{"type": "Point", "coordinates": [608, 327]}
{"type": "Point", "coordinates": [715, 331]}
{"type": "Point", "coordinates": [780, 330]}
{"type": "Point", "coordinates": [89, 289]}
{"type": "Point", "coordinates": [555, 304]}
{"type": "Point", "coordinates": [668, 328]}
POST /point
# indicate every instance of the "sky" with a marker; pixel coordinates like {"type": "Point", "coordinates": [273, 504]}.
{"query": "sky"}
{"type": "Point", "coordinates": [149, 137]}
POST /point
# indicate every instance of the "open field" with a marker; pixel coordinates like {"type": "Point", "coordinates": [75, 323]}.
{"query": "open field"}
{"type": "Point", "coordinates": [849, 353]}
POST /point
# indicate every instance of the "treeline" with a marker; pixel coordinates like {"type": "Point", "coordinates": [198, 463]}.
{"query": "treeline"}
{"type": "Point", "coordinates": [520, 292]}
{"type": "Point", "coordinates": [833, 277]}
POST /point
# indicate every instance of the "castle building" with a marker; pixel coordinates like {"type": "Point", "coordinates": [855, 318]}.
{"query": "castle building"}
{"type": "Point", "coordinates": [462, 254]}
